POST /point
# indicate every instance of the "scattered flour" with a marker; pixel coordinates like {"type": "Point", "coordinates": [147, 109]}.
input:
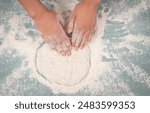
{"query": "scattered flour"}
{"type": "Point", "coordinates": [97, 78]}
{"type": "Point", "coordinates": [88, 64]}
{"type": "Point", "coordinates": [83, 63]}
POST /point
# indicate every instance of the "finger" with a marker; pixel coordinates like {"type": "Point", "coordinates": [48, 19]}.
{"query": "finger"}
{"type": "Point", "coordinates": [52, 43]}
{"type": "Point", "coordinates": [85, 39]}
{"type": "Point", "coordinates": [91, 35]}
{"type": "Point", "coordinates": [67, 42]}
{"type": "Point", "coordinates": [46, 39]}
{"type": "Point", "coordinates": [57, 38]}
{"type": "Point", "coordinates": [60, 42]}
{"type": "Point", "coordinates": [70, 26]}
{"type": "Point", "coordinates": [52, 40]}
{"type": "Point", "coordinates": [51, 46]}
{"type": "Point", "coordinates": [65, 49]}
{"type": "Point", "coordinates": [59, 49]}
{"type": "Point", "coordinates": [74, 36]}
{"type": "Point", "coordinates": [68, 53]}
{"type": "Point", "coordinates": [64, 38]}
{"type": "Point", "coordinates": [61, 21]}
{"type": "Point", "coordinates": [61, 46]}
{"type": "Point", "coordinates": [79, 39]}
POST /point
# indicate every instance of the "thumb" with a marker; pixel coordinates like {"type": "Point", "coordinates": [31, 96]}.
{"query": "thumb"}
{"type": "Point", "coordinates": [70, 26]}
{"type": "Point", "coordinates": [61, 21]}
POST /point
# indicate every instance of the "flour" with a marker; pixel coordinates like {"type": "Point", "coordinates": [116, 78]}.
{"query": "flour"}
{"type": "Point", "coordinates": [104, 77]}
{"type": "Point", "coordinates": [63, 70]}
{"type": "Point", "coordinates": [29, 48]}
{"type": "Point", "coordinates": [82, 62]}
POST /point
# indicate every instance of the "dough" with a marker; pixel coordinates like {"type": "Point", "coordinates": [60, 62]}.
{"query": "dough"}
{"type": "Point", "coordinates": [68, 70]}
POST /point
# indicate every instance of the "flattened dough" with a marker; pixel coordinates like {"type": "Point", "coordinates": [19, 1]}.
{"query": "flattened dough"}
{"type": "Point", "coordinates": [68, 70]}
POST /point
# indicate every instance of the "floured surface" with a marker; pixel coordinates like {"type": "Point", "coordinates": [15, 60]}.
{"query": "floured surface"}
{"type": "Point", "coordinates": [120, 51]}
{"type": "Point", "coordinates": [63, 70]}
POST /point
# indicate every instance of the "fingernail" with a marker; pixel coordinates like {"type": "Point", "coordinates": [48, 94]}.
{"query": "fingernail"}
{"type": "Point", "coordinates": [63, 53]}
{"type": "Point", "coordinates": [76, 48]}
{"type": "Point", "coordinates": [81, 47]}
{"type": "Point", "coordinates": [69, 53]}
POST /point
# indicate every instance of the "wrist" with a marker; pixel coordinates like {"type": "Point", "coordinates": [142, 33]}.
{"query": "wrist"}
{"type": "Point", "coordinates": [43, 16]}
{"type": "Point", "coordinates": [37, 13]}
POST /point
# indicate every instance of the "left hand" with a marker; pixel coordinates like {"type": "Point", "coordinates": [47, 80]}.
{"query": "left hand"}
{"type": "Point", "coordinates": [82, 24]}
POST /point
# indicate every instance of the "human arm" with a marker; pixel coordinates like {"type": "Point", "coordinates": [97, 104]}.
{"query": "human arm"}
{"type": "Point", "coordinates": [82, 22]}
{"type": "Point", "coordinates": [48, 25]}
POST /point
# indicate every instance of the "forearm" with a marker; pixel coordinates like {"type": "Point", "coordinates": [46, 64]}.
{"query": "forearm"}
{"type": "Point", "coordinates": [91, 1]}
{"type": "Point", "coordinates": [34, 7]}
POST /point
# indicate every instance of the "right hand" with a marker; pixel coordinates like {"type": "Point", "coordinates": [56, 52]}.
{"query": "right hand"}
{"type": "Point", "coordinates": [52, 32]}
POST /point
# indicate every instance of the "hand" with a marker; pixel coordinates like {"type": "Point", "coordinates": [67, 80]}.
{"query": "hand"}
{"type": "Point", "coordinates": [82, 23]}
{"type": "Point", "coordinates": [52, 32]}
